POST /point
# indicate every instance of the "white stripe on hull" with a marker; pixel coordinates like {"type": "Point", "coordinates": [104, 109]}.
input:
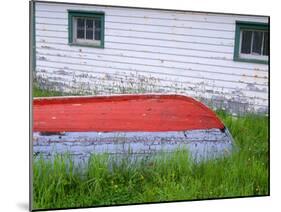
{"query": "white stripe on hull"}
{"type": "Point", "coordinates": [202, 144]}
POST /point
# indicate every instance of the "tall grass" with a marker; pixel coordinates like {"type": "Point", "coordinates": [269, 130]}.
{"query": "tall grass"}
{"type": "Point", "coordinates": [38, 92]}
{"type": "Point", "coordinates": [58, 184]}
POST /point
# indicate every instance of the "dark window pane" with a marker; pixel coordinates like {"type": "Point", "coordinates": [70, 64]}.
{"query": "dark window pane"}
{"type": "Point", "coordinates": [80, 33]}
{"type": "Point", "coordinates": [89, 34]}
{"type": "Point", "coordinates": [97, 34]}
{"type": "Point", "coordinates": [97, 29]}
{"type": "Point", "coordinates": [89, 24]}
{"type": "Point", "coordinates": [246, 42]}
{"type": "Point", "coordinates": [80, 28]}
{"type": "Point", "coordinates": [98, 23]}
{"type": "Point", "coordinates": [80, 23]}
{"type": "Point", "coordinates": [265, 44]}
{"type": "Point", "coordinates": [89, 29]}
{"type": "Point", "coordinates": [257, 42]}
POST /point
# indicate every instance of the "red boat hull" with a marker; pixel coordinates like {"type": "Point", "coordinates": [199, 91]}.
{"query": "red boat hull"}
{"type": "Point", "coordinates": [128, 113]}
{"type": "Point", "coordinates": [138, 126]}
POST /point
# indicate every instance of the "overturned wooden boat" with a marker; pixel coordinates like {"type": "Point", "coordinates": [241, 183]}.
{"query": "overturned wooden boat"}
{"type": "Point", "coordinates": [132, 126]}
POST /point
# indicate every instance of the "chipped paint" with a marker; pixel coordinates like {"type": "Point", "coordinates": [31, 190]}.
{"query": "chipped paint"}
{"type": "Point", "coordinates": [253, 87]}
{"type": "Point", "coordinates": [42, 58]}
{"type": "Point", "coordinates": [202, 144]}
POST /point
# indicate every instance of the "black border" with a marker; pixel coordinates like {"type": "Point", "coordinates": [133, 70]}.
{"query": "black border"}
{"type": "Point", "coordinates": [31, 67]}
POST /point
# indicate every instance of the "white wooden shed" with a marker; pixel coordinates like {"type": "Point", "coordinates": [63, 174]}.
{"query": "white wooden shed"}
{"type": "Point", "coordinates": [221, 59]}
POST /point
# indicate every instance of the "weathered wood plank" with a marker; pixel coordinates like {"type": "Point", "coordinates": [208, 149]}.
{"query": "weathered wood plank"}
{"type": "Point", "coordinates": [150, 13]}
{"type": "Point", "coordinates": [161, 61]}
{"type": "Point", "coordinates": [50, 31]}
{"type": "Point", "coordinates": [152, 66]}
{"type": "Point", "coordinates": [148, 42]}
{"type": "Point", "coordinates": [148, 21]}
{"type": "Point", "coordinates": [138, 49]}
{"type": "Point", "coordinates": [198, 87]}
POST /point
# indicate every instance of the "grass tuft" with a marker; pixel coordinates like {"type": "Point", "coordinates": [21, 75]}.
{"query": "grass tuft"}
{"type": "Point", "coordinates": [38, 92]}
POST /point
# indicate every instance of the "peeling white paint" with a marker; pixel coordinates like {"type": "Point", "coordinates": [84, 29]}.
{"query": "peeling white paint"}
{"type": "Point", "coordinates": [202, 144]}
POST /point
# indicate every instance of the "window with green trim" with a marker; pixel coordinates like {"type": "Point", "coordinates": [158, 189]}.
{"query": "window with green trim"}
{"type": "Point", "coordinates": [251, 42]}
{"type": "Point", "coordinates": [86, 28]}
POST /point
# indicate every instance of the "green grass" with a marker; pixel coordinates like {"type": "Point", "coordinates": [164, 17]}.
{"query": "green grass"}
{"type": "Point", "coordinates": [38, 92]}
{"type": "Point", "coordinates": [244, 173]}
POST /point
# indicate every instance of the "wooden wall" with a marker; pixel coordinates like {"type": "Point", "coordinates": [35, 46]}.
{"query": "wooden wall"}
{"type": "Point", "coordinates": [149, 50]}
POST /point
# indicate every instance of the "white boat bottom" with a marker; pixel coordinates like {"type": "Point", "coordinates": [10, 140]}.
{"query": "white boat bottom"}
{"type": "Point", "coordinates": [201, 144]}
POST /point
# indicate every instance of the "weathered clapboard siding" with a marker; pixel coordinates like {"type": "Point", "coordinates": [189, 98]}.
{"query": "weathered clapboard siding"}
{"type": "Point", "coordinates": [220, 80]}
{"type": "Point", "coordinates": [148, 50]}
{"type": "Point", "coordinates": [130, 83]}
{"type": "Point", "coordinates": [145, 35]}
{"type": "Point", "coordinates": [152, 14]}
{"type": "Point", "coordinates": [155, 60]}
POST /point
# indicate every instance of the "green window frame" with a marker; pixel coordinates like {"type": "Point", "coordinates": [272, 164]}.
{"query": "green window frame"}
{"type": "Point", "coordinates": [251, 28]}
{"type": "Point", "coordinates": [91, 22]}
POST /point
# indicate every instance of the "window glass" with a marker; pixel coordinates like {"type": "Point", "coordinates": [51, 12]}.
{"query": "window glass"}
{"type": "Point", "coordinates": [80, 28]}
{"type": "Point", "coordinates": [97, 29]}
{"type": "Point", "coordinates": [257, 42]}
{"type": "Point", "coordinates": [265, 44]}
{"type": "Point", "coordinates": [89, 29]}
{"type": "Point", "coordinates": [246, 42]}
